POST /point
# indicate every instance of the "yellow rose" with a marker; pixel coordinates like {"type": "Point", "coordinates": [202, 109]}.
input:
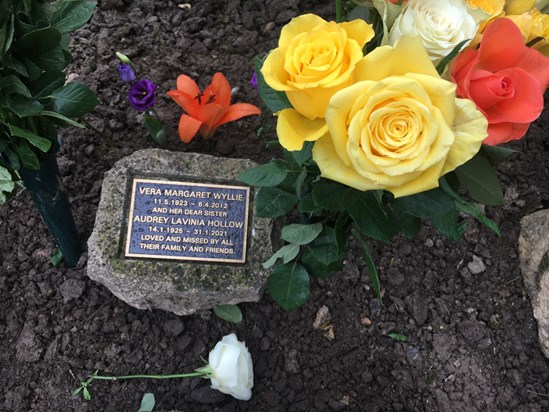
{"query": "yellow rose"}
{"type": "Point", "coordinates": [533, 25]}
{"type": "Point", "coordinates": [492, 7]}
{"type": "Point", "coordinates": [314, 59]}
{"type": "Point", "coordinates": [400, 127]}
{"type": "Point", "coordinates": [540, 28]}
{"type": "Point", "coordinates": [519, 6]}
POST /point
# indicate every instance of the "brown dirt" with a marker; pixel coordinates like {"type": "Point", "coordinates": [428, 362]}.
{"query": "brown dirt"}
{"type": "Point", "coordinates": [472, 341]}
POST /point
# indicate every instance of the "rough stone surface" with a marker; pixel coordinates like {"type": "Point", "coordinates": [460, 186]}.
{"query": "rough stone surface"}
{"type": "Point", "coordinates": [176, 286]}
{"type": "Point", "coordinates": [534, 264]}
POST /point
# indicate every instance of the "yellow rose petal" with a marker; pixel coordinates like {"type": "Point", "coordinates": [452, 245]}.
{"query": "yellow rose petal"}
{"type": "Point", "coordinates": [407, 56]}
{"type": "Point", "coordinates": [359, 30]}
{"type": "Point", "coordinates": [338, 115]}
{"type": "Point", "coordinates": [519, 6]}
{"type": "Point", "coordinates": [313, 105]}
{"type": "Point", "coordinates": [273, 71]}
{"type": "Point", "coordinates": [331, 166]}
{"type": "Point", "coordinates": [297, 25]}
{"type": "Point", "coordinates": [293, 129]}
{"type": "Point", "coordinates": [425, 181]}
{"type": "Point", "coordinates": [442, 94]}
{"type": "Point", "coordinates": [470, 130]}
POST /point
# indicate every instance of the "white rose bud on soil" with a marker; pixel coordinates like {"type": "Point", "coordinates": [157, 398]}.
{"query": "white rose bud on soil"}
{"type": "Point", "coordinates": [231, 368]}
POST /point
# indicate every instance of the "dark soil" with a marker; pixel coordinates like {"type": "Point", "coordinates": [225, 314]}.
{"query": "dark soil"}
{"type": "Point", "coordinates": [472, 341]}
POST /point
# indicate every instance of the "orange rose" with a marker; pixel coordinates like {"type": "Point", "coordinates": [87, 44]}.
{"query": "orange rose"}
{"type": "Point", "coordinates": [505, 79]}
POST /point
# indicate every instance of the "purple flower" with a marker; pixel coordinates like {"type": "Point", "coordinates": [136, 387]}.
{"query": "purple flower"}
{"type": "Point", "coordinates": [126, 72]}
{"type": "Point", "coordinates": [253, 80]}
{"type": "Point", "coordinates": [141, 94]}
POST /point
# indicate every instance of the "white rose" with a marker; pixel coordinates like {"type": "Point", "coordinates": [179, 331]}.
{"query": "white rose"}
{"type": "Point", "coordinates": [440, 24]}
{"type": "Point", "coordinates": [231, 368]}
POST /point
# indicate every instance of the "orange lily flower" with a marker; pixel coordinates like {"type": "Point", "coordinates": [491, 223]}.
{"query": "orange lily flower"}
{"type": "Point", "coordinates": [207, 110]}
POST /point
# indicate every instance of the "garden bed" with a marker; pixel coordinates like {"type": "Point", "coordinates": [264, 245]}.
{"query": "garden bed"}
{"type": "Point", "coordinates": [471, 337]}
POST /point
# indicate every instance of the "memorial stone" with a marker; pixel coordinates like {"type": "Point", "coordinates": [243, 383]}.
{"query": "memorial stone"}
{"type": "Point", "coordinates": [177, 231]}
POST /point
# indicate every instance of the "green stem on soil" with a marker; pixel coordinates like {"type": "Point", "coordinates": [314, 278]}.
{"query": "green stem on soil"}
{"type": "Point", "coordinates": [204, 372]}
{"type": "Point", "coordinates": [106, 138]}
{"type": "Point", "coordinates": [174, 376]}
{"type": "Point", "coordinates": [339, 11]}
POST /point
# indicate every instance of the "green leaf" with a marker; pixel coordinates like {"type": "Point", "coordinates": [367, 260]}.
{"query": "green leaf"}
{"type": "Point", "coordinates": [267, 175]}
{"type": "Point", "coordinates": [300, 179]}
{"type": "Point", "coordinates": [408, 224]}
{"type": "Point", "coordinates": [47, 83]}
{"type": "Point", "coordinates": [86, 393]}
{"type": "Point", "coordinates": [156, 130]}
{"type": "Point", "coordinates": [444, 62]}
{"type": "Point", "coordinates": [316, 268]}
{"type": "Point", "coordinates": [73, 100]}
{"type": "Point", "coordinates": [71, 15]}
{"type": "Point", "coordinates": [62, 118]}
{"type": "Point", "coordinates": [534, 41]}
{"type": "Point", "coordinates": [40, 142]}
{"type": "Point", "coordinates": [301, 234]}
{"type": "Point", "coordinates": [376, 21]}
{"type": "Point", "coordinates": [480, 179]}
{"type": "Point", "coordinates": [56, 258]}
{"type": "Point", "coordinates": [25, 107]}
{"type": "Point", "coordinates": [33, 70]}
{"type": "Point", "coordinates": [307, 204]}
{"type": "Point", "coordinates": [359, 13]}
{"type": "Point", "coordinates": [54, 60]}
{"type": "Point", "coordinates": [230, 313]}
{"type": "Point", "coordinates": [6, 183]}
{"type": "Point", "coordinates": [370, 265]}
{"type": "Point", "coordinates": [435, 205]}
{"type": "Point", "coordinates": [323, 257]}
{"type": "Point", "coordinates": [334, 196]}
{"type": "Point", "coordinates": [6, 35]}
{"type": "Point", "coordinates": [12, 85]}
{"type": "Point", "coordinates": [273, 202]}
{"type": "Point", "coordinates": [289, 285]}
{"type": "Point", "coordinates": [12, 157]}
{"type": "Point", "coordinates": [286, 253]}
{"type": "Point", "coordinates": [43, 39]}
{"type": "Point", "coordinates": [372, 219]}
{"type": "Point", "coordinates": [496, 154]}
{"type": "Point", "coordinates": [28, 158]}
{"type": "Point", "coordinates": [274, 100]}
{"type": "Point", "coordinates": [398, 337]}
{"type": "Point", "coordinates": [147, 403]}
{"type": "Point", "coordinates": [16, 65]}
{"type": "Point", "coordinates": [472, 210]}
{"type": "Point", "coordinates": [340, 232]}
{"type": "Point", "coordinates": [304, 155]}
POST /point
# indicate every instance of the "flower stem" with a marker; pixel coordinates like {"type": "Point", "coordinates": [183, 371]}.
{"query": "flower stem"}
{"type": "Point", "coordinates": [372, 271]}
{"type": "Point", "coordinates": [204, 372]}
{"type": "Point", "coordinates": [339, 11]}
{"type": "Point", "coordinates": [105, 138]}
{"type": "Point", "coordinates": [174, 376]}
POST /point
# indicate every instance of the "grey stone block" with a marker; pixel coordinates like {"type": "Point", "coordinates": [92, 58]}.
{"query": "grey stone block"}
{"type": "Point", "coordinates": [181, 287]}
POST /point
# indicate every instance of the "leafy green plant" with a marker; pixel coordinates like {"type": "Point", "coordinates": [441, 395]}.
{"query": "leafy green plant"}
{"type": "Point", "coordinates": [329, 212]}
{"type": "Point", "coordinates": [34, 99]}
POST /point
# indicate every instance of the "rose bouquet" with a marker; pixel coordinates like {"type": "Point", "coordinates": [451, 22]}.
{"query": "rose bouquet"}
{"type": "Point", "coordinates": [390, 118]}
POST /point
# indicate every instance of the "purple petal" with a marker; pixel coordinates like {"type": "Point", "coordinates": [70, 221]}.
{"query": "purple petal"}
{"type": "Point", "coordinates": [126, 72]}
{"type": "Point", "coordinates": [141, 95]}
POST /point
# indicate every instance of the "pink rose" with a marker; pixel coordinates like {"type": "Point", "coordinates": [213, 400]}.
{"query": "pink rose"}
{"type": "Point", "coordinates": [505, 79]}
